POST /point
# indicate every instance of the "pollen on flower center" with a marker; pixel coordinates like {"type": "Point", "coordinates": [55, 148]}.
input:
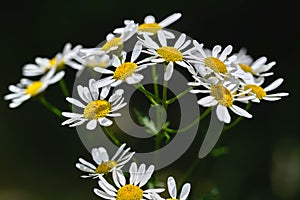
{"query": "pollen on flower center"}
{"type": "Point", "coordinates": [246, 68]}
{"type": "Point", "coordinates": [151, 28]}
{"type": "Point", "coordinates": [257, 90]}
{"type": "Point", "coordinates": [170, 54]}
{"type": "Point", "coordinates": [222, 95]}
{"type": "Point", "coordinates": [105, 167]}
{"type": "Point", "coordinates": [124, 70]}
{"type": "Point", "coordinates": [97, 109]}
{"type": "Point", "coordinates": [129, 192]}
{"type": "Point", "coordinates": [215, 64]}
{"type": "Point", "coordinates": [33, 89]}
{"type": "Point", "coordinates": [114, 42]}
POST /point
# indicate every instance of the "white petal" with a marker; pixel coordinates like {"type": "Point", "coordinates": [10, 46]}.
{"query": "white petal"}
{"type": "Point", "coordinates": [91, 125]}
{"type": "Point", "coordinates": [240, 111]}
{"type": "Point", "coordinates": [104, 92]}
{"type": "Point", "coordinates": [216, 50]}
{"type": "Point", "coordinates": [146, 176]}
{"type": "Point", "coordinates": [282, 94]}
{"type": "Point", "coordinates": [84, 168]}
{"type": "Point", "coordinates": [223, 114]}
{"type": "Point", "coordinates": [172, 187]}
{"type": "Point", "coordinates": [199, 47]}
{"type": "Point", "coordinates": [103, 70]}
{"type": "Point", "coordinates": [206, 100]}
{"type": "Point", "coordinates": [185, 191]}
{"type": "Point", "coordinates": [136, 51]}
{"type": "Point", "coordinates": [133, 172]}
{"type": "Point", "coordinates": [169, 71]}
{"type": "Point", "coordinates": [162, 39]}
{"type": "Point", "coordinates": [75, 102]}
{"type": "Point", "coordinates": [99, 155]}
{"type": "Point", "coordinates": [86, 163]}
{"type": "Point", "coordinates": [104, 121]}
{"type": "Point", "coordinates": [180, 41]}
{"type": "Point", "coordinates": [169, 20]}
{"type": "Point", "coordinates": [225, 52]}
{"type": "Point", "coordinates": [273, 85]}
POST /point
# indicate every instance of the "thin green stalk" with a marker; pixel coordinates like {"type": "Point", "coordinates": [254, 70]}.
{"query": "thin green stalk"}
{"type": "Point", "coordinates": [154, 76]}
{"type": "Point", "coordinates": [164, 95]}
{"type": "Point", "coordinates": [201, 117]}
{"type": "Point", "coordinates": [237, 120]}
{"type": "Point", "coordinates": [49, 106]}
{"type": "Point", "coordinates": [155, 100]}
{"type": "Point", "coordinates": [64, 88]}
{"type": "Point", "coordinates": [111, 135]}
{"type": "Point", "coordinates": [179, 96]}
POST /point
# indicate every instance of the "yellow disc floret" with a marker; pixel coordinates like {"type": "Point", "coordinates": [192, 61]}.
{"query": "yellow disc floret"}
{"type": "Point", "coordinates": [105, 167]}
{"type": "Point", "coordinates": [215, 64]}
{"type": "Point", "coordinates": [33, 88]}
{"type": "Point", "coordinates": [170, 54]}
{"type": "Point", "coordinates": [151, 28]}
{"type": "Point", "coordinates": [124, 70]}
{"type": "Point", "coordinates": [114, 42]}
{"type": "Point", "coordinates": [55, 63]}
{"type": "Point", "coordinates": [257, 90]}
{"type": "Point", "coordinates": [129, 192]}
{"type": "Point", "coordinates": [247, 68]}
{"type": "Point", "coordinates": [97, 109]}
{"type": "Point", "coordinates": [222, 95]}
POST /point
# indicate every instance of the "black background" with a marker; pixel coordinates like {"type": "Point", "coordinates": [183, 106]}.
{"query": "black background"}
{"type": "Point", "coordinates": [37, 155]}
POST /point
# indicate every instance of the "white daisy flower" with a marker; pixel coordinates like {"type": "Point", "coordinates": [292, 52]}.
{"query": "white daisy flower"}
{"type": "Point", "coordinates": [215, 62]}
{"type": "Point", "coordinates": [254, 71]}
{"type": "Point", "coordinates": [114, 44]}
{"type": "Point", "coordinates": [172, 188]}
{"type": "Point", "coordinates": [151, 27]}
{"type": "Point", "coordinates": [59, 62]}
{"type": "Point", "coordinates": [223, 96]}
{"type": "Point", "coordinates": [261, 93]}
{"type": "Point", "coordinates": [95, 108]}
{"type": "Point", "coordinates": [131, 191]}
{"type": "Point", "coordinates": [124, 71]}
{"type": "Point", "coordinates": [104, 164]}
{"type": "Point", "coordinates": [28, 88]}
{"type": "Point", "coordinates": [169, 54]}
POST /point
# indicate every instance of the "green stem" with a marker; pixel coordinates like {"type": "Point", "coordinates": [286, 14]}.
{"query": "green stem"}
{"type": "Point", "coordinates": [111, 135]}
{"type": "Point", "coordinates": [155, 86]}
{"type": "Point", "coordinates": [49, 106]}
{"type": "Point", "coordinates": [201, 117]}
{"type": "Point", "coordinates": [179, 96]}
{"type": "Point", "coordinates": [64, 88]}
{"type": "Point", "coordinates": [154, 100]}
{"type": "Point", "coordinates": [237, 120]}
{"type": "Point", "coordinates": [164, 95]}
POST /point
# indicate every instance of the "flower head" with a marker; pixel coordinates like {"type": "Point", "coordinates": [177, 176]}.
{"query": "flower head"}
{"type": "Point", "coordinates": [59, 62]}
{"type": "Point", "coordinates": [28, 88]}
{"type": "Point", "coordinates": [170, 54]}
{"type": "Point", "coordinates": [131, 191]}
{"type": "Point", "coordinates": [105, 164]}
{"type": "Point", "coordinates": [95, 108]}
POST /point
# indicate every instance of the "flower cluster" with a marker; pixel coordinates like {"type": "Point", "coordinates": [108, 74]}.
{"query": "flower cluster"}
{"type": "Point", "coordinates": [220, 78]}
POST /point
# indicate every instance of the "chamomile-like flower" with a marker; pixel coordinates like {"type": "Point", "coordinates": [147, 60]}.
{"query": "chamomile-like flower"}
{"type": "Point", "coordinates": [124, 71]}
{"type": "Point", "coordinates": [28, 88]}
{"type": "Point", "coordinates": [216, 61]}
{"type": "Point", "coordinates": [162, 53]}
{"type": "Point", "coordinates": [59, 62]}
{"type": "Point", "coordinates": [131, 191]}
{"type": "Point", "coordinates": [105, 165]}
{"type": "Point", "coordinates": [151, 27]}
{"type": "Point", "coordinates": [95, 109]}
{"type": "Point", "coordinates": [260, 93]}
{"type": "Point", "coordinates": [223, 95]}
{"type": "Point", "coordinates": [114, 43]}
{"type": "Point", "coordinates": [172, 188]}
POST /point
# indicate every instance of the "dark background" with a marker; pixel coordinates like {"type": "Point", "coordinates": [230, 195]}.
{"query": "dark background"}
{"type": "Point", "coordinates": [37, 155]}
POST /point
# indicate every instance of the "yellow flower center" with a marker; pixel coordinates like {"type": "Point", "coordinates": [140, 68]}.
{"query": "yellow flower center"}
{"type": "Point", "coordinates": [97, 109]}
{"type": "Point", "coordinates": [151, 28]}
{"type": "Point", "coordinates": [59, 65]}
{"type": "Point", "coordinates": [114, 42]}
{"type": "Point", "coordinates": [246, 68]}
{"type": "Point", "coordinates": [215, 64]}
{"type": "Point", "coordinates": [33, 88]}
{"type": "Point", "coordinates": [257, 90]}
{"type": "Point", "coordinates": [171, 199]}
{"type": "Point", "coordinates": [124, 70]}
{"type": "Point", "coordinates": [170, 54]}
{"type": "Point", "coordinates": [129, 192]}
{"type": "Point", "coordinates": [222, 95]}
{"type": "Point", "coordinates": [105, 167]}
